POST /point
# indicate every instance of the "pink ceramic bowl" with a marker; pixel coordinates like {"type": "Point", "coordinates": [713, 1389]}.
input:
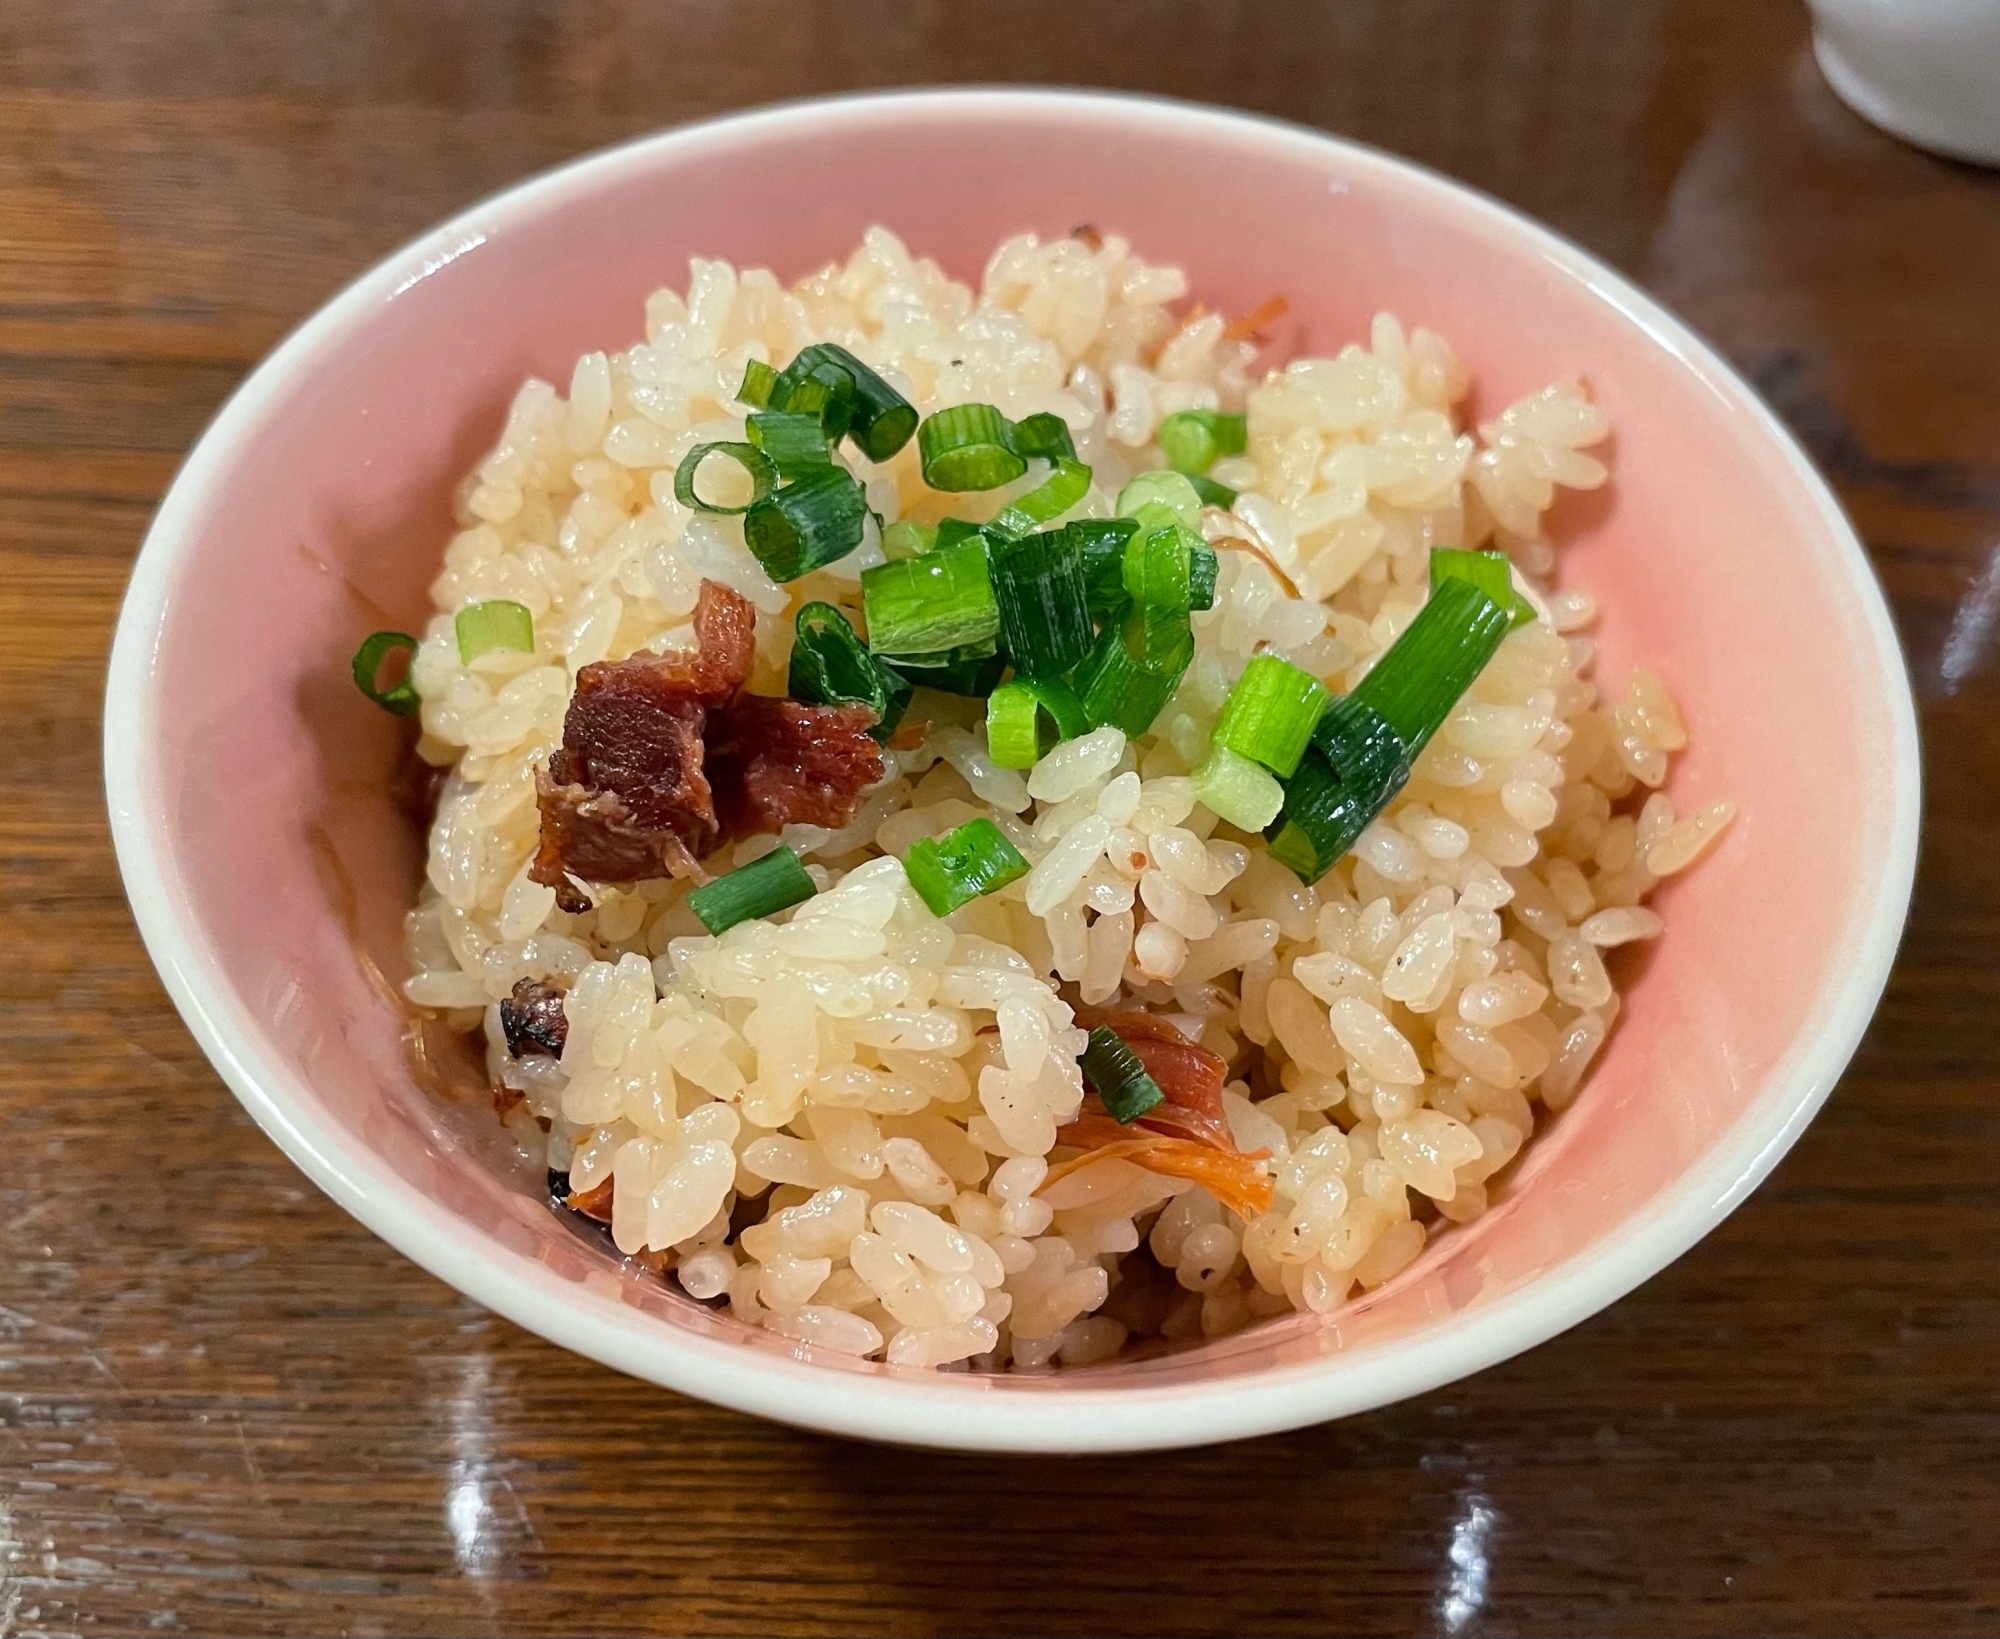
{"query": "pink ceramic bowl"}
{"type": "Point", "coordinates": [250, 783]}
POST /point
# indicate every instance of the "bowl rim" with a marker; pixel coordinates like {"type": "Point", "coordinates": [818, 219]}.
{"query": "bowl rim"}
{"type": "Point", "coordinates": [950, 1410]}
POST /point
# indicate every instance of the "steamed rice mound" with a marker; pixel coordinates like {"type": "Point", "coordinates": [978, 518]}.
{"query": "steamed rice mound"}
{"type": "Point", "coordinates": [841, 1121]}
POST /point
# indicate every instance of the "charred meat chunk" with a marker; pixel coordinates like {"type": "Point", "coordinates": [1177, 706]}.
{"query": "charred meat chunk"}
{"type": "Point", "coordinates": [533, 1020]}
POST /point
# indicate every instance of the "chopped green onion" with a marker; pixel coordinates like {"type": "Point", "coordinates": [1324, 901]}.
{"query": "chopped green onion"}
{"type": "Point", "coordinates": [1415, 685]}
{"type": "Point", "coordinates": [758, 381]}
{"type": "Point", "coordinates": [969, 446]}
{"type": "Point", "coordinates": [830, 666]}
{"type": "Point", "coordinates": [766, 885]}
{"type": "Point", "coordinates": [1169, 489]}
{"type": "Point", "coordinates": [1101, 542]}
{"type": "Point", "coordinates": [795, 443]}
{"type": "Point", "coordinates": [1045, 434]}
{"type": "Point", "coordinates": [1238, 790]}
{"type": "Point", "coordinates": [924, 609]}
{"type": "Point", "coordinates": [1210, 493]}
{"type": "Point", "coordinates": [815, 385]}
{"type": "Point", "coordinates": [950, 531]}
{"type": "Point", "coordinates": [495, 624]}
{"type": "Point", "coordinates": [1131, 673]}
{"type": "Point", "coordinates": [400, 697]}
{"type": "Point", "coordinates": [1044, 606]}
{"type": "Point", "coordinates": [1489, 571]}
{"type": "Point", "coordinates": [1063, 488]}
{"type": "Point", "coordinates": [1156, 567]}
{"type": "Point", "coordinates": [956, 868]}
{"type": "Point", "coordinates": [762, 470]}
{"type": "Point", "coordinates": [907, 539]}
{"type": "Point", "coordinates": [1117, 1077]}
{"type": "Point", "coordinates": [1270, 714]}
{"type": "Point", "coordinates": [1202, 570]}
{"type": "Point", "coordinates": [970, 675]}
{"type": "Point", "coordinates": [1024, 718]}
{"type": "Point", "coordinates": [808, 524]}
{"type": "Point", "coordinates": [1357, 764]}
{"type": "Point", "coordinates": [1192, 439]}
{"type": "Point", "coordinates": [879, 418]}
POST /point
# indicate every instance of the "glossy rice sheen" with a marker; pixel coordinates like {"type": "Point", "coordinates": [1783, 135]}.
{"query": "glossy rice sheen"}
{"type": "Point", "coordinates": [252, 825]}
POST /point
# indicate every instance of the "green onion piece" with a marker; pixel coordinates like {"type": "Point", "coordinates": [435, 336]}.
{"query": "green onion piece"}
{"type": "Point", "coordinates": [1170, 489]}
{"type": "Point", "coordinates": [1045, 434]}
{"type": "Point", "coordinates": [1156, 568]}
{"type": "Point", "coordinates": [1131, 673]}
{"type": "Point", "coordinates": [970, 675]}
{"type": "Point", "coordinates": [1117, 1077]}
{"type": "Point", "coordinates": [907, 539]}
{"type": "Point", "coordinates": [766, 885]}
{"type": "Point", "coordinates": [1202, 570]}
{"type": "Point", "coordinates": [1192, 439]}
{"type": "Point", "coordinates": [795, 443]}
{"type": "Point", "coordinates": [762, 470]}
{"type": "Point", "coordinates": [926, 608]}
{"type": "Point", "coordinates": [950, 531]}
{"type": "Point", "coordinates": [1045, 623]}
{"type": "Point", "coordinates": [1489, 571]}
{"type": "Point", "coordinates": [956, 868]}
{"type": "Point", "coordinates": [495, 624]}
{"type": "Point", "coordinates": [969, 446]}
{"type": "Point", "coordinates": [1101, 543]}
{"type": "Point", "coordinates": [831, 666]}
{"type": "Point", "coordinates": [1357, 764]}
{"type": "Point", "coordinates": [1238, 790]}
{"type": "Point", "coordinates": [1210, 493]}
{"type": "Point", "coordinates": [874, 414]}
{"type": "Point", "coordinates": [1025, 718]}
{"type": "Point", "coordinates": [400, 697]}
{"type": "Point", "coordinates": [1415, 685]}
{"type": "Point", "coordinates": [1063, 488]}
{"type": "Point", "coordinates": [1270, 714]}
{"type": "Point", "coordinates": [815, 385]}
{"type": "Point", "coordinates": [809, 523]}
{"type": "Point", "coordinates": [758, 381]}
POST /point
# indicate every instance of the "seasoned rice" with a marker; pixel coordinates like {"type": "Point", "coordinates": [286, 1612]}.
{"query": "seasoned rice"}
{"type": "Point", "coordinates": [841, 1122]}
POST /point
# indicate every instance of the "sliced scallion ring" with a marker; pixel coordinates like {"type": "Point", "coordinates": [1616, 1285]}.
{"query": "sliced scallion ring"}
{"type": "Point", "coordinates": [811, 522]}
{"type": "Point", "coordinates": [1192, 439]}
{"type": "Point", "coordinates": [1117, 1077]}
{"type": "Point", "coordinates": [795, 443]}
{"type": "Point", "coordinates": [1043, 602]}
{"type": "Point", "coordinates": [831, 666]}
{"type": "Point", "coordinates": [762, 470]}
{"type": "Point", "coordinates": [967, 447]}
{"type": "Point", "coordinates": [758, 380]}
{"type": "Point", "coordinates": [935, 609]}
{"type": "Point", "coordinates": [956, 868]}
{"type": "Point", "coordinates": [1055, 495]}
{"type": "Point", "coordinates": [1169, 489]}
{"type": "Point", "coordinates": [1270, 713]}
{"type": "Point", "coordinates": [1491, 572]}
{"type": "Point", "coordinates": [495, 624]}
{"type": "Point", "coordinates": [399, 697]}
{"type": "Point", "coordinates": [768, 884]}
{"type": "Point", "coordinates": [908, 539]}
{"type": "Point", "coordinates": [1210, 493]}
{"type": "Point", "coordinates": [1238, 790]}
{"type": "Point", "coordinates": [1044, 434]}
{"type": "Point", "coordinates": [1025, 718]}
{"type": "Point", "coordinates": [1133, 670]}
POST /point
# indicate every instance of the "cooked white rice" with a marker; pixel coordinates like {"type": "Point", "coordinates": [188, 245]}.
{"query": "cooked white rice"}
{"type": "Point", "coordinates": [834, 1077]}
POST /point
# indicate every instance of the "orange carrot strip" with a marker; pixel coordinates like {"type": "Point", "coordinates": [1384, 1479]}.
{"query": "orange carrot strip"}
{"type": "Point", "coordinates": [1234, 1180]}
{"type": "Point", "coordinates": [1268, 311]}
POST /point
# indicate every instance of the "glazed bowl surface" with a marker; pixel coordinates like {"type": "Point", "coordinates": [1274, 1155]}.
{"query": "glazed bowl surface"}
{"type": "Point", "coordinates": [262, 845]}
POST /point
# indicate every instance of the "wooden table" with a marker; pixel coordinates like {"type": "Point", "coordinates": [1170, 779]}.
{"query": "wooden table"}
{"type": "Point", "coordinates": [228, 1408]}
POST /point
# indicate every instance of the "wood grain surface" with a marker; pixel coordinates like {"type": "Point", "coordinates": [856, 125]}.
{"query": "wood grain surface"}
{"type": "Point", "coordinates": [224, 1407]}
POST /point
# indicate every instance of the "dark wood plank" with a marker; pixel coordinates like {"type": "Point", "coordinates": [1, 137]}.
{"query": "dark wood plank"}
{"type": "Point", "coordinates": [225, 1407]}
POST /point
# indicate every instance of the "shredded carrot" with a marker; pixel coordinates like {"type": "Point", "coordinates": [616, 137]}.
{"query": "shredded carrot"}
{"type": "Point", "coordinates": [1268, 311]}
{"type": "Point", "coordinates": [909, 735]}
{"type": "Point", "coordinates": [1237, 1181]}
{"type": "Point", "coordinates": [1238, 544]}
